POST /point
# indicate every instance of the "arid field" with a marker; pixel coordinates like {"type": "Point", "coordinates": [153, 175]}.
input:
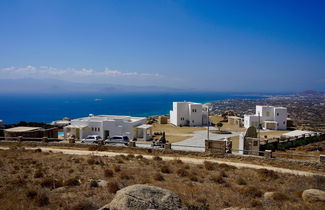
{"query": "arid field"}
{"type": "Point", "coordinates": [35, 179]}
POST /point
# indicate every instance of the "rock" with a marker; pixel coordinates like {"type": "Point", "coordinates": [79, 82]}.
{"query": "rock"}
{"type": "Point", "coordinates": [60, 189]}
{"type": "Point", "coordinates": [102, 183]}
{"type": "Point", "coordinates": [236, 208]}
{"type": "Point", "coordinates": [275, 196]}
{"type": "Point", "coordinates": [313, 195]}
{"type": "Point", "coordinates": [145, 197]}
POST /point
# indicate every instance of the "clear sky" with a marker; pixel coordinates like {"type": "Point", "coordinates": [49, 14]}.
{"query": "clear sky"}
{"type": "Point", "coordinates": [227, 45]}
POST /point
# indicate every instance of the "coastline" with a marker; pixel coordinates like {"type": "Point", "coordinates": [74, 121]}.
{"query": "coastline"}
{"type": "Point", "coordinates": [54, 107]}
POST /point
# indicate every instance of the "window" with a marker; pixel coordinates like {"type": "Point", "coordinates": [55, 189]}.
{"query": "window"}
{"type": "Point", "coordinates": [192, 121]}
{"type": "Point", "coordinates": [277, 114]}
{"type": "Point", "coordinates": [267, 114]}
{"type": "Point", "coordinates": [92, 129]}
{"type": "Point", "coordinates": [255, 143]}
{"type": "Point", "coordinates": [284, 122]}
{"type": "Point", "coordinates": [98, 129]}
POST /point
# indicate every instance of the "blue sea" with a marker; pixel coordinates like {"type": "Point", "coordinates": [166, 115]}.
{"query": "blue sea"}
{"type": "Point", "coordinates": [47, 108]}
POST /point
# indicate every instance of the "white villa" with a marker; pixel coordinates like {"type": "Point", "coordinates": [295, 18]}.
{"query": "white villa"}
{"type": "Point", "coordinates": [270, 117]}
{"type": "Point", "coordinates": [188, 114]}
{"type": "Point", "coordinates": [109, 125]}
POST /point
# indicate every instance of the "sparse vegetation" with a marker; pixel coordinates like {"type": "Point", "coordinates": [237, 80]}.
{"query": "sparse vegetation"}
{"type": "Point", "coordinates": [70, 182]}
{"type": "Point", "coordinates": [165, 169]}
{"type": "Point", "coordinates": [158, 177]}
{"type": "Point", "coordinates": [108, 173]}
{"type": "Point", "coordinates": [112, 187]}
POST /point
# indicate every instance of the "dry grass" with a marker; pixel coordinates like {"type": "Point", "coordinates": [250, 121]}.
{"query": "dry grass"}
{"type": "Point", "coordinates": [170, 129]}
{"type": "Point", "coordinates": [66, 182]}
{"type": "Point", "coordinates": [108, 173]}
{"type": "Point", "coordinates": [176, 138]}
{"type": "Point", "coordinates": [226, 126]}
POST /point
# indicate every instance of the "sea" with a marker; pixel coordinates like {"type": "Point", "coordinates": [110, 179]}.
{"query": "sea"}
{"type": "Point", "coordinates": [47, 108]}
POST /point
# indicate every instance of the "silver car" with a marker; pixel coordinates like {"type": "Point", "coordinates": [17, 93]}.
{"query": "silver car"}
{"type": "Point", "coordinates": [94, 139]}
{"type": "Point", "coordinates": [117, 139]}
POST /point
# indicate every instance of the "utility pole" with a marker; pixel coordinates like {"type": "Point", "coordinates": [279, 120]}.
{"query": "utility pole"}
{"type": "Point", "coordinates": [259, 125]}
{"type": "Point", "coordinates": [208, 124]}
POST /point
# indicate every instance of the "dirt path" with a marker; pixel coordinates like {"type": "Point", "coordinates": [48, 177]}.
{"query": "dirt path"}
{"type": "Point", "coordinates": [184, 159]}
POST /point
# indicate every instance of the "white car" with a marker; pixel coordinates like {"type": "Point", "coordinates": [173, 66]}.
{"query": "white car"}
{"type": "Point", "coordinates": [91, 139]}
{"type": "Point", "coordinates": [117, 139]}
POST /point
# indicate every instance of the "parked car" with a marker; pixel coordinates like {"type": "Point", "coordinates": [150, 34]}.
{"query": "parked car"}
{"type": "Point", "coordinates": [117, 139]}
{"type": "Point", "coordinates": [91, 139]}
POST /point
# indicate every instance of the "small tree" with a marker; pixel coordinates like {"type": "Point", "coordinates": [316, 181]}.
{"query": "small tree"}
{"type": "Point", "coordinates": [219, 125]}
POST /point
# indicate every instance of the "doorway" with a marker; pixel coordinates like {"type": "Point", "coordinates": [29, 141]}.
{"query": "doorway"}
{"type": "Point", "coordinates": [106, 134]}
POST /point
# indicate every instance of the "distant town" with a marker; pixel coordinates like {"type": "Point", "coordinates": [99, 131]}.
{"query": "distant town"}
{"type": "Point", "coordinates": [306, 109]}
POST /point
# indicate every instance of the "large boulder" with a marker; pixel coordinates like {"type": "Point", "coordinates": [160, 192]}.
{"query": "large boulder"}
{"type": "Point", "coordinates": [145, 197]}
{"type": "Point", "coordinates": [313, 195]}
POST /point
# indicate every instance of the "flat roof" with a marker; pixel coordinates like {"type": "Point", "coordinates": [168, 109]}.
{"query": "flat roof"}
{"type": "Point", "coordinates": [22, 129]}
{"type": "Point", "coordinates": [144, 126]}
{"type": "Point", "coordinates": [109, 117]}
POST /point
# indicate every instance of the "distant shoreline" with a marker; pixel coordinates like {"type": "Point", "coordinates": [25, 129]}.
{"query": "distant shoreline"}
{"type": "Point", "coordinates": [14, 109]}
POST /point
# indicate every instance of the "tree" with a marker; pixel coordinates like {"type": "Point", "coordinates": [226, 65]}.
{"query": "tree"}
{"type": "Point", "coordinates": [219, 125]}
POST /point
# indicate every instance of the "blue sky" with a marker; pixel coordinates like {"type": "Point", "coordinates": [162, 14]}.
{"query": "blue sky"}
{"type": "Point", "coordinates": [208, 45]}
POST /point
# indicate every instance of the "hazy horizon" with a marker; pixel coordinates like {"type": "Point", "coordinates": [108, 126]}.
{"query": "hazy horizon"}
{"type": "Point", "coordinates": [222, 46]}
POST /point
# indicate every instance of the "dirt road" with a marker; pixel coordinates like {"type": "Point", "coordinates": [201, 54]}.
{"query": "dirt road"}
{"type": "Point", "coordinates": [184, 159]}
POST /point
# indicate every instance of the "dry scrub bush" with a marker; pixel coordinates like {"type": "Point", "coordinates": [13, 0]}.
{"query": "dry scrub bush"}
{"type": "Point", "coordinates": [51, 183]}
{"type": "Point", "coordinates": [112, 187]}
{"type": "Point", "coordinates": [165, 169]}
{"type": "Point", "coordinates": [94, 161]}
{"type": "Point", "coordinates": [217, 179]}
{"type": "Point", "coordinates": [249, 191]}
{"type": "Point", "coordinates": [240, 181]}
{"type": "Point", "coordinates": [97, 148]}
{"type": "Point", "coordinates": [158, 177]}
{"type": "Point", "coordinates": [71, 182]}
{"type": "Point", "coordinates": [182, 172]}
{"type": "Point", "coordinates": [209, 165]}
{"type": "Point", "coordinates": [31, 194]}
{"type": "Point", "coordinates": [108, 173]}
{"type": "Point", "coordinates": [177, 161]}
{"type": "Point", "coordinates": [117, 168]}
{"type": "Point", "coordinates": [139, 157]}
{"type": "Point", "coordinates": [84, 205]}
{"type": "Point", "coordinates": [131, 156]}
{"type": "Point", "coordinates": [125, 175]}
{"type": "Point", "coordinates": [279, 196]}
{"type": "Point", "coordinates": [38, 150]}
{"type": "Point", "coordinates": [38, 174]}
{"type": "Point", "coordinates": [93, 183]}
{"type": "Point", "coordinates": [266, 175]}
{"type": "Point", "coordinates": [157, 158]}
{"type": "Point", "coordinates": [222, 174]}
{"type": "Point", "coordinates": [255, 203]}
{"type": "Point", "coordinates": [193, 178]}
{"type": "Point", "coordinates": [42, 200]}
{"type": "Point", "coordinates": [226, 167]}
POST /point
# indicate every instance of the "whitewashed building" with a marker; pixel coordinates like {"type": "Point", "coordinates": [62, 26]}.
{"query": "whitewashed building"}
{"type": "Point", "coordinates": [270, 117]}
{"type": "Point", "coordinates": [188, 114]}
{"type": "Point", "coordinates": [109, 125]}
